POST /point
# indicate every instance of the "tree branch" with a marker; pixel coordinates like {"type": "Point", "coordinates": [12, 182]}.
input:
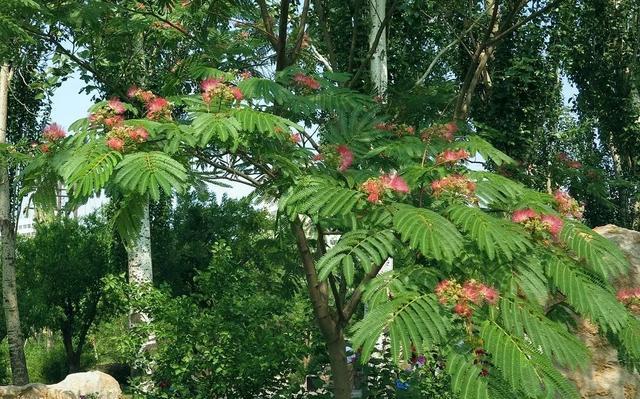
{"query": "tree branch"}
{"type": "Point", "coordinates": [301, 32]}
{"type": "Point", "coordinates": [351, 306]}
{"type": "Point", "coordinates": [281, 49]}
{"type": "Point", "coordinates": [268, 23]}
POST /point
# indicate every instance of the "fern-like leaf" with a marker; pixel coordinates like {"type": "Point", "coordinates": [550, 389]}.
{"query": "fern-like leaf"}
{"type": "Point", "coordinates": [262, 122]}
{"type": "Point", "coordinates": [413, 320]}
{"type": "Point", "coordinates": [466, 381]}
{"type": "Point", "coordinates": [357, 247]}
{"type": "Point", "coordinates": [490, 234]}
{"type": "Point", "coordinates": [223, 127]}
{"type": "Point", "coordinates": [317, 197]}
{"type": "Point", "coordinates": [586, 297]}
{"type": "Point", "coordinates": [603, 256]}
{"type": "Point", "coordinates": [433, 235]}
{"type": "Point", "coordinates": [90, 168]}
{"type": "Point", "coordinates": [150, 172]}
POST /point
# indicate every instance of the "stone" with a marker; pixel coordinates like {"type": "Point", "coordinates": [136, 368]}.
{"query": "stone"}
{"type": "Point", "coordinates": [605, 378]}
{"type": "Point", "coordinates": [97, 383]}
{"type": "Point", "coordinates": [74, 386]}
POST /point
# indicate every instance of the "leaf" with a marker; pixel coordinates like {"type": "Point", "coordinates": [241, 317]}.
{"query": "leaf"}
{"type": "Point", "coordinates": [265, 89]}
{"type": "Point", "coordinates": [433, 235]}
{"type": "Point", "coordinates": [90, 168]}
{"type": "Point", "coordinates": [223, 127]}
{"type": "Point", "coordinates": [149, 172]}
{"type": "Point", "coordinates": [586, 297]}
{"type": "Point", "coordinates": [476, 145]}
{"type": "Point", "coordinates": [262, 122]}
{"type": "Point", "coordinates": [492, 235]}
{"type": "Point", "coordinates": [317, 197]}
{"type": "Point", "coordinates": [603, 256]}
{"type": "Point", "coordinates": [466, 381]}
{"type": "Point", "coordinates": [362, 247]}
{"type": "Point", "coordinates": [413, 320]}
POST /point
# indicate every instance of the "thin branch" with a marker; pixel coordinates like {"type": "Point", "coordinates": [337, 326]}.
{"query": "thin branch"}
{"type": "Point", "coordinates": [328, 41]}
{"type": "Point", "coordinates": [301, 32]}
{"type": "Point", "coordinates": [268, 23]}
{"type": "Point", "coordinates": [351, 306]}
{"type": "Point", "coordinates": [518, 24]}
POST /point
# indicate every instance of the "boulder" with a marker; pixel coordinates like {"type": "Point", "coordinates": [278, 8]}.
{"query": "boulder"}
{"type": "Point", "coordinates": [605, 378]}
{"type": "Point", "coordinates": [94, 384]}
{"type": "Point", "coordinates": [97, 383]}
{"type": "Point", "coordinates": [34, 391]}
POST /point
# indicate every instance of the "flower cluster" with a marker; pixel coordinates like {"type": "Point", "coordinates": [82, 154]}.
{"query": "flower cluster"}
{"type": "Point", "coordinates": [346, 157]}
{"type": "Point", "coordinates": [398, 130]}
{"type": "Point", "coordinates": [122, 136]}
{"type": "Point", "coordinates": [306, 81]}
{"type": "Point", "coordinates": [455, 185]}
{"type": "Point", "coordinates": [482, 359]}
{"type": "Point", "coordinates": [110, 115]}
{"type": "Point", "coordinates": [629, 296]}
{"type": "Point", "coordinates": [53, 132]}
{"type": "Point", "coordinates": [450, 157]}
{"type": "Point", "coordinates": [568, 206]}
{"type": "Point", "coordinates": [568, 161]}
{"type": "Point", "coordinates": [158, 108]}
{"type": "Point", "coordinates": [216, 88]}
{"type": "Point", "coordinates": [375, 188]}
{"type": "Point", "coordinates": [536, 222]}
{"type": "Point", "coordinates": [446, 132]}
{"type": "Point", "coordinates": [465, 296]}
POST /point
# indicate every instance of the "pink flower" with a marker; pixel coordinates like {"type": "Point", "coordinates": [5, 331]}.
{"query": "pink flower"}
{"type": "Point", "coordinates": [454, 184]}
{"type": "Point", "coordinates": [210, 84]}
{"type": "Point", "coordinates": [45, 148]}
{"type": "Point", "coordinates": [115, 143]}
{"type": "Point", "coordinates": [395, 182]}
{"type": "Point", "coordinates": [295, 138]}
{"type": "Point", "coordinates": [374, 188]}
{"type": "Point", "coordinates": [244, 75]}
{"type": "Point", "coordinates": [114, 120]}
{"type": "Point", "coordinates": [306, 81]}
{"type": "Point", "coordinates": [442, 286]}
{"type": "Point", "coordinates": [237, 93]}
{"type": "Point", "coordinates": [117, 106]}
{"type": "Point", "coordinates": [522, 215]}
{"type": "Point", "coordinates": [574, 164]}
{"type": "Point", "coordinates": [471, 291]}
{"type": "Point", "coordinates": [133, 91]}
{"type": "Point", "coordinates": [157, 104]}
{"type": "Point", "coordinates": [318, 157]}
{"type": "Point", "coordinates": [139, 134]}
{"type": "Point", "coordinates": [346, 157]}
{"type": "Point", "coordinates": [490, 294]}
{"type": "Point", "coordinates": [463, 309]}
{"type": "Point", "coordinates": [568, 206]}
{"type": "Point", "coordinates": [54, 132]}
{"type": "Point", "coordinates": [449, 131]}
{"type": "Point", "coordinates": [554, 224]}
{"type": "Point", "coordinates": [450, 157]}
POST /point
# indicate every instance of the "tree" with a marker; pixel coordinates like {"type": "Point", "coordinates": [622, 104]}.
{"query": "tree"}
{"type": "Point", "coordinates": [62, 267]}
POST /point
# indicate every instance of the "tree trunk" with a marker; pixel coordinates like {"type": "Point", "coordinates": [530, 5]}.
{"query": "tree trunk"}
{"type": "Point", "coordinates": [378, 66]}
{"type": "Point", "coordinates": [340, 370]}
{"type": "Point", "coordinates": [7, 231]}
{"type": "Point", "coordinates": [140, 266]}
{"type": "Point", "coordinates": [73, 357]}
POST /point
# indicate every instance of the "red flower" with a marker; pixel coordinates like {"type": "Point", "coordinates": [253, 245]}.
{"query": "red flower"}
{"type": "Point", "coordinates": [490, 294]}
{"type": "Point", "coordinates": [306, 81]}
{"type": "Point", "coordinates": [451, 157]}
{"type": "Point", "coordinates": [114, 120]}
{"type": "Point", "coordinates": [463, 309]}
{"type": "Point", "coordinates": [346, 157]}
{"type": "Point", "coordinates": [553, 223]}
{"type": "Point", "coordinates": [117, 106]}
{"type": "Point", "coordinates": [395, 182]}
{"type": "Point", "coordinates": [237, 93]}
{"type": "Point", "coordinates": [139, 134]}
{"type": "Point", "coordinates": [210, 84]}
{"type": "Point", "coordinates": [449, 131]}
{"type": "Point", "coordinates": [158, 108]}
{"type": "Point", "coordinates": [374, 188]}
{"type": "Point", "coordinates": [54, 132]}
{"type": "Point", "coordinates": [522, 215]}
{"type": "Point", "coordinates": [115, 143]}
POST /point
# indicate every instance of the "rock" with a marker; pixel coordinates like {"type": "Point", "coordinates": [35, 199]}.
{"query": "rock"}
{"type": "Point", "coordinates": [97, 383]}
{"type": "Point", "coordinates": [34, 391]}
{"type": "Point", "coordinates": [605, 378]}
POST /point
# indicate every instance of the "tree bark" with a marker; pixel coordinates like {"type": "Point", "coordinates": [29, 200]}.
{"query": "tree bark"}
{"type": "Point", "coordinates": [20, 375]}
{"type": "Point", "coordinates": [378, 65]}
{"type": "Point", "coordinates": [141, 268]}
{"type": "Point", "coordinates": [341, 374]}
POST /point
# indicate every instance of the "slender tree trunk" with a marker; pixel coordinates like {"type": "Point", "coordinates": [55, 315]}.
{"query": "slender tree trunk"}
{"type": "Point", "coordinates": [341, 375]}
{"type": "Point", "coordinates": [378, 66]}
{"type": "Point", "coordinates": [140, 266]}
{"type": "Point", "coordinates": [7, 231]}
